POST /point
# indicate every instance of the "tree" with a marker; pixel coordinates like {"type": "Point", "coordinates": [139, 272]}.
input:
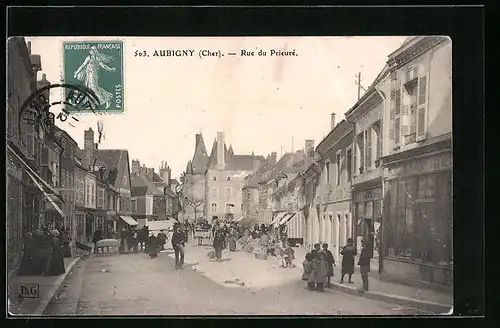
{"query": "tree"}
{"type": "Point", "coordinates": [189, 197]}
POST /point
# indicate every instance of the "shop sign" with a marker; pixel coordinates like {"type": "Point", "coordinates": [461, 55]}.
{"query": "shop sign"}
{"type": "Point", "coordinates": [423, 165]}
{"type": "Point", "coordinates": [372, 194]}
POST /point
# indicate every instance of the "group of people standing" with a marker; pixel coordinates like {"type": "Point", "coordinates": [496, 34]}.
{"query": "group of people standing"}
{"type": "Point", "coordinates": [319, 263]}
{"type": "Point", "coordinates": [44, 251]}
{"type": "Point", "coordinates": [225, 235]}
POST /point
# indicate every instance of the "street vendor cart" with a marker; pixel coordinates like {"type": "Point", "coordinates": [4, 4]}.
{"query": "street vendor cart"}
{"type": "Point", "coordinates": [202, 233]}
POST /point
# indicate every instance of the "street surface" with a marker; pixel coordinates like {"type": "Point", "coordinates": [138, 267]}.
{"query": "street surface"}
{"type": "Point", "coordinates": [135, 284]}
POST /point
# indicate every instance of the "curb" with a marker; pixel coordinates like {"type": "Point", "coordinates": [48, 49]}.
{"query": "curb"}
{"type": "Point", "coordinates": [44, 303]}
{"type": "Point", "coordinates": [400, 300]}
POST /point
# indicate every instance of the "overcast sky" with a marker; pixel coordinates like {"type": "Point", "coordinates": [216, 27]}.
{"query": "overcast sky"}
{"type": "Point", "coordinates": [260, 103]}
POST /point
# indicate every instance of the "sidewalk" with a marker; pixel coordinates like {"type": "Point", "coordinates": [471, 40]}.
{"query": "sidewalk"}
{"type": "Point", "coordinates": [48, 287]}
{"type": "Point", "coordinates": [241, 269]}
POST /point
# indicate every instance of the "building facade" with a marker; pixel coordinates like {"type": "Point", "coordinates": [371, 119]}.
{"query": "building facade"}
{"type": "Point", "coordinates": [367, 118]}
{"type": "Point", "coordinates": [334, 223]}
{"type": "Point", "coordinates": [417, 158]}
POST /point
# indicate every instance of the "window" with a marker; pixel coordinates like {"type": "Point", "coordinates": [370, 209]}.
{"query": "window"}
{"type": "Point", "coordinates": [339, 166]}
{"type": "Point", "coordinates": [214, 207]}
{"type": "Point", "coordinates": [134, 205]}
{"type": "Point", "coordinates": [228, 207]}
{"type": "Point", "coordinates": [87, 193]}
{"type": "Point", "coordinates": [368, 160]}
{"type": "Point", "coordinates": [228, 193]}
{"type": "Point", "coordinates": [214, 178]}
{"type": "Point", "coordinates": [377, 142]}
{"type": "Point", "coordinates": [361, 152]}
{"type": "Point", "coordinates": [100, 198]}
{"type": "Point", "coordinates": [349, 164]}
{"type": "Point", "coordinates": [327, 166]}
{"type": "Point", "coordinates": [214, 192]}
{"type": "Point", "coordinates": [228, 178]}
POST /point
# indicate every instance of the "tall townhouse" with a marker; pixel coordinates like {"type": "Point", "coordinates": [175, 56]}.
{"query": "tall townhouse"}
{"type": "Point", "coordinates": [25, 186]}
{"type": "Point", "coordinates": [417, 159]}
{"type": "Point", "coordinates": [67, 177]}
{"type": "Point", "coordinates": [80, 197]}
{"type": "Point", "coordinates": [367, 118]}
{"type": "Point", "coordinates": [334, 221]}
{"type": "Point", "coordinates": [310, 179]}
{"type": "Point", "coordinates": [116, 165]}
{"type": "Point", "coordinates": [91, 215]}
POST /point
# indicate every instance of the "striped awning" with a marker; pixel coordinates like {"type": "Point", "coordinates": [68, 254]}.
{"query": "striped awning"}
{"type": "Point", "coordinates": [287, 218]}
{"type": "Point", "coordinates": [278, 218]}
{"type": "Point", "coordinates": [129, 220]}
{"type": "Point", "coordinates": [239, 219]}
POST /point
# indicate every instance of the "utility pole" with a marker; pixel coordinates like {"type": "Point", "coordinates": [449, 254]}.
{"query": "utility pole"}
{"type": "Point", "coordinates": [358, 83]}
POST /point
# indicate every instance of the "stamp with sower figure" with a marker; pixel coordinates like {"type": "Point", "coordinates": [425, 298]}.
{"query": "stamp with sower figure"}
{"type": "Point", "coordinates": [97, 65]}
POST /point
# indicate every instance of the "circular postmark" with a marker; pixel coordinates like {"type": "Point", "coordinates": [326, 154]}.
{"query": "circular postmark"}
{"type": "Point", "coordinates": [38, 111]}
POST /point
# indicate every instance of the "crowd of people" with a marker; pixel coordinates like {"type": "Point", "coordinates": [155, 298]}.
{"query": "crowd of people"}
{"type": "Point", "coordinates": [44, 251]}
{"type": "Point", "coordinates": [318, 265]}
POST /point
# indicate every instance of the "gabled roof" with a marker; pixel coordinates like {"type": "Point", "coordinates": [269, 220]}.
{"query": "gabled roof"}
{"type": "Point", "coordinates": [141, 186]}
{"type": "Point", "coordinates": [112, 159]}
{"type": "Point", "coordinates": [156, 178]}
{"type": "Point", "coordinates": [233, 162]}
{"type": "Point", "coordinates": [280, 166]}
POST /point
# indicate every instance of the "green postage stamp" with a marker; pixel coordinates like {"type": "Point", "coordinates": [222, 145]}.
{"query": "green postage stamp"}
{"type": "Point", "coordinates": [98, 65]}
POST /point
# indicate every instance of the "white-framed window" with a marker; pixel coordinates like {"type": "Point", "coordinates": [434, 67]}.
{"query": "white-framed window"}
{"type": "Point", "coordinates": [377, 140]}
{"type": "Point", "coordinates": [214, 207]}
{"type": "Point", "coordinates": [409, 109]}
{"type": "Point", "coordinates": [214, 192]}
{"type": "Point", "coordinates": [133, 205]}
{"type": "Point", "coordinates": [100, 198]}
{"type": "Point", "coordinates": [229, 207]}
{"type": "Point", "coordinates": [229, 192]}
{"type": "Point", "coordinates": [360, 145]}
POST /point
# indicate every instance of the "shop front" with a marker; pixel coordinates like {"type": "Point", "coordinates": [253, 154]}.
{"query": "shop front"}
{"type": "Point", "coordinates": [368, 213]}
{"type": "Point", "coordinates": [418, 225]}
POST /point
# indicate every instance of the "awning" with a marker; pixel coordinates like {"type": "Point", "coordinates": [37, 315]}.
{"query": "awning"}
{"type": "Point", "coordinates": [278, 218]}
{"type": "Point", "coordinates": [239, 219]}
{"type": "Point", "coordinates": [129, 220]}
{"type": "Point", "coordinates": [33, 175]}
{"type": "Point", "coordinates": [49, 198]}
{"type": "Point", "coordinates": [287, 218]}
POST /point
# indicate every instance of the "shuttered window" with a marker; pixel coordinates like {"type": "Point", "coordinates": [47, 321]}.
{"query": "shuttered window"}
{"type": "Point", "coordinates": [369, 148]}
{"type": "Point", "coordinates": [391, 115]}
{"type": "Point", "coordinates": [422, 105]}
{"type": "Point", "coordinates": [361, 146]}
{"type": "Point", "coordinates": [354, 164]}
{"type": "Point", "coordinates": [397, 117]}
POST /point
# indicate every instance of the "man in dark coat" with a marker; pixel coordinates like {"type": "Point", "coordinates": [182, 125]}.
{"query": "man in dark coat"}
{"type": "Point", "coordinates": [97, 236]}
{"type": "Point", "coordinates": [348, 253]}
{"type": "Point", "coordinates": [178, 242]}
{"type": "Point", "coordinates": [162, 239]}
{"type": "Point", "coordinates": [364, 262]}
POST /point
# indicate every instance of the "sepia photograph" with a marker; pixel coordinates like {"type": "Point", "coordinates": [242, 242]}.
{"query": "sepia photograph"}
{"type": "Point", "coordinates": [229, 176]}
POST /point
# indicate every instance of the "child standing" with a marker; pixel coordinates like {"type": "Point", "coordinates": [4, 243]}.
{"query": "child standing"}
{"type": "Point", "coordinates": [306, 265]}
{"type": "Point", "coordinates": [315, 266]}
{"type": "Point", "coordinates": [322, 271]}
{"type": "Point", "coordinates": [289, 255]}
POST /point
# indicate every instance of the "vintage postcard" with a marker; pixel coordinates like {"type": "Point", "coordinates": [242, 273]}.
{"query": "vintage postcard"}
{"type": "Point", "coordinates": [229, 176]}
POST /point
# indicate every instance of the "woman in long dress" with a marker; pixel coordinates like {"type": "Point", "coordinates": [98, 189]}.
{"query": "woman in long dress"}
{"type": "Point", "coordinates": [57, 259]}
{"type": "Point", "coordinates": [348, 253]}
{"type": "Point", "coordinates": [233, 235]}
{"type": "Point", "coordinates": [88, 73]}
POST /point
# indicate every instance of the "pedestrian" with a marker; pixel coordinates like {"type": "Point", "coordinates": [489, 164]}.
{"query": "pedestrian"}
{"type": "Point", "coordinates": [364, 263]}
{"type": "Point", "coordinates": [322, 272]}
{"type": "Point", "coordinates": [56, 266]}
{"type": "Point", "coordinates": [317, 247]}
{"type": "Point", "coordinates": [95, 238]}
{"type": "Point", "coordinates": [233, 235]}
{"type": "Point", "coordinates": [178, 244]}
{"type": "Point", "coordinates": [348, 253]}
{"type": "Point", "coordinates": [28, 261]}
{"type": "Point", "coordinates": [153, 246]}
{"type": "Point", "coordinates": [289, 255]}
{"type": "Point", "coordinates": [330, 260]}
{"type": "Point", "coordinates": [124, 244]}
{"type": "Point", "coordinates": [306, 273]}
{"type": "Point", "coordinates": [66, 240]}
{"type": "Point", "coordinates": [162, 239]}
{"type": "Point", "coordinates": [218, 244]}
{"type": "Point", "coordinates": [315, 263]}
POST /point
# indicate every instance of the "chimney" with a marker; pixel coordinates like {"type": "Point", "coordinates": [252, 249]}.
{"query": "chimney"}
{"type": "Point", "coordinates": [220, 151]}
{"type": "Point", "coordinates": [332, 120]}
{"type": "Point", "coordinates": [88, 138]}
{"type": "Point", "coordinates": [273, 158]}
{"type": "Point", "coordinates": [136, 165]}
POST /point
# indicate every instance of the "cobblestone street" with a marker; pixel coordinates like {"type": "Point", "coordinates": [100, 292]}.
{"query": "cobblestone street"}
{"type": "Point", "coordinates": [137, 285]}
